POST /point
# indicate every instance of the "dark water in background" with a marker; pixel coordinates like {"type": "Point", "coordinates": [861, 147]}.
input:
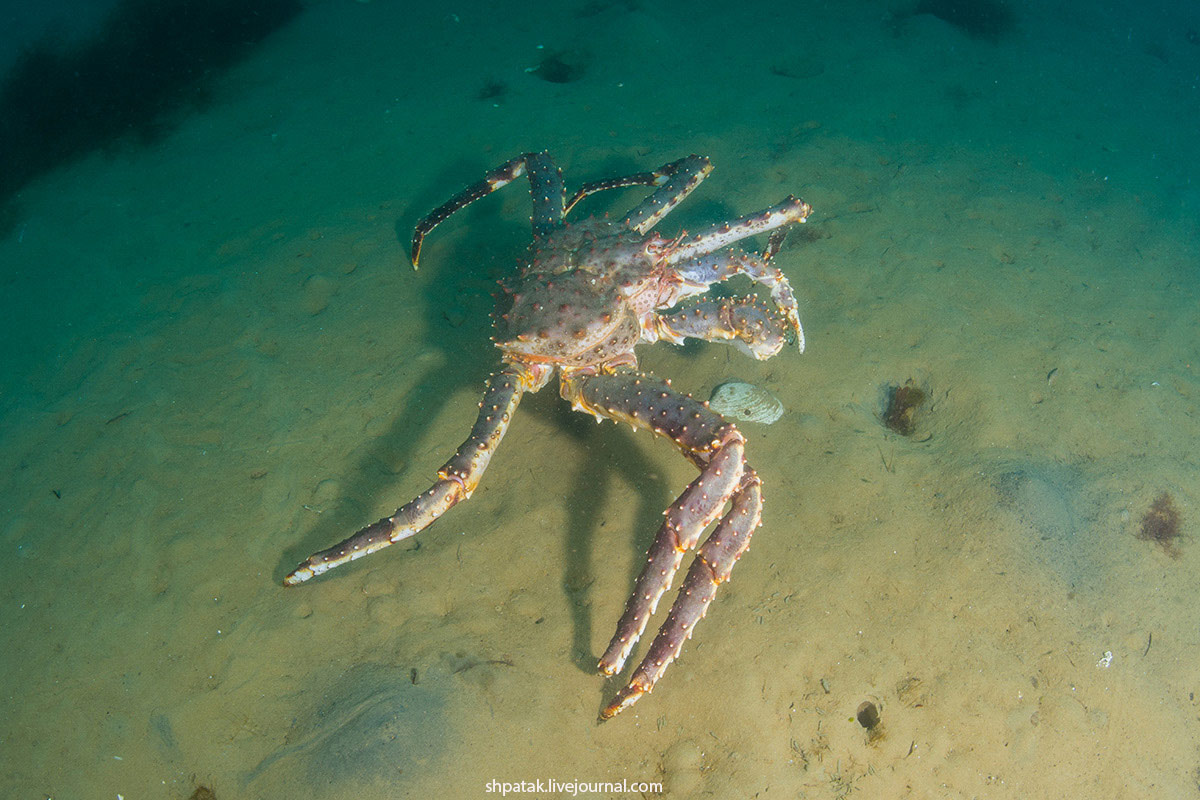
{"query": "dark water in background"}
{"type": "Point", "coordinates": [217, 360]}
{"type": "Point", "coordinates": [27, 24]}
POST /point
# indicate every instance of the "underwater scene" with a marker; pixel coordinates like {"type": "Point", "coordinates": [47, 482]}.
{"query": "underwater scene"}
{"type": "Point", "coordinates": [933, 266]}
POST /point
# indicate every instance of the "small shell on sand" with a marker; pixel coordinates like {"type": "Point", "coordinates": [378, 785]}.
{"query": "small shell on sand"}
{"type": "Point", "coordinates": [745, 402]}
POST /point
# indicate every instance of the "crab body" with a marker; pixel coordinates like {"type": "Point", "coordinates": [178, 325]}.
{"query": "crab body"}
{"type": "Point", "coordinates": [587, 296]}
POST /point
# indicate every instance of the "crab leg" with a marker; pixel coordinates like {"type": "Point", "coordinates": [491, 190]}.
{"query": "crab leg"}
{"type": "Point", "coordinates": [676, 181]}
{"type": "Point", "coordinates": [717, 448]}
{"type": "Point", "coordinates": [656, 178]}
{"type": "Point", "coordinates": [710, 568]}
{"type": "Point", "coordinates": [723, 234]}
{"type": "Point", "coordinates": [686, 176]}
{"type": "Point", "coordinates": [457, 479]}
{"type": "Point", "coordinates": [743, 321]}
{"type": "Point", "coordinates": [545, 184]}
{"type": "Point", "coordinates": [718, 267]}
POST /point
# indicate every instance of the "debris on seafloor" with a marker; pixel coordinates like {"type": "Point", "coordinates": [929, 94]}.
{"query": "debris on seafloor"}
{"type": "Point", "coordinates": [1160, 524]}
{"type": "Point", "coordinates": [745, 402]}
{"type": "Point", "coordinates": [900, 409]}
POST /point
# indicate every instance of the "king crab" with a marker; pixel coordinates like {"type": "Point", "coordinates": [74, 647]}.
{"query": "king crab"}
{"type": "Point", "coordinates": [591, 291]}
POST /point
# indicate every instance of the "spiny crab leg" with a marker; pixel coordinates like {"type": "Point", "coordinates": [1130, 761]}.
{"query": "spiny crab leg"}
{"type": "Point", "coordinates": [685, 175]}
{"type": "Point", "coordinates": [545, 185]}
{"type": "Point", "coordinates": [656, 178]}
{"type": "Point", "coordinates": [724, 234]}
{"type": "Point", "coordinates": [710, 568]}
{"type": "Point", "coordinates": [457, 479]}
{"type": "Point", "coordinates": [717, 448]}
{"type": "Point", "coordinates": [677, 180]}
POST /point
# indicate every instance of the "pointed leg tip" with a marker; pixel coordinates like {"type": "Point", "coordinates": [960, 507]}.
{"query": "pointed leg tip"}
{"type": "Point", "coordinates": [608, 669]}
{"type": "Point", "coordinates": [610, 711]}
{"type": "Point", "coordinates": [297, 576]}
{"type": "Point", "coordinates": [624, 699]}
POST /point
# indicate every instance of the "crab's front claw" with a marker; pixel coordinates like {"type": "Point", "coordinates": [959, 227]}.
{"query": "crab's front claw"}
{"type": "Point", "coordinates": [745, 322]}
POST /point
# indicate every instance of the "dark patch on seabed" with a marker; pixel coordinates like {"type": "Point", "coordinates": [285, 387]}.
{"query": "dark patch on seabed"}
{"type": "Point", "coordinates": [372, 724]}
{"type": "Point", "coordinates": [990, 20]}
{"type": "Point", "coordinates": [151, 62]}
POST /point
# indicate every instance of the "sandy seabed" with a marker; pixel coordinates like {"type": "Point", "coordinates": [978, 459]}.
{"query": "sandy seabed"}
{"type": "Point", "coordinates": [221, 363]}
